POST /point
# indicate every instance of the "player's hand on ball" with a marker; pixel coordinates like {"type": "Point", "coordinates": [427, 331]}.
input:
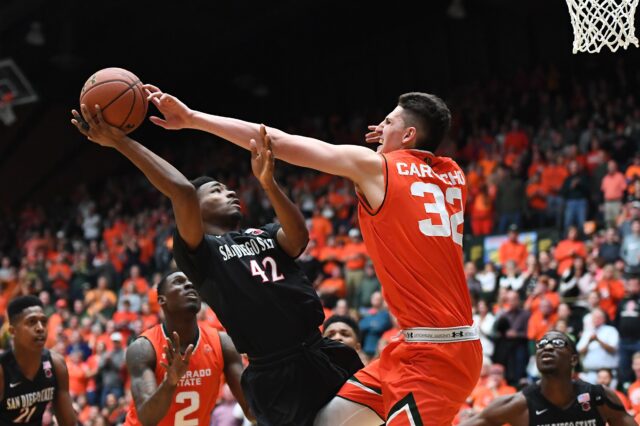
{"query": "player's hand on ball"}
{"type": "Point", "coordinates": [262, 159]}
{"type": "Point", "coordinates": [176, 114]}
{"type": "Point", "coordinates": [374, 136]}
{"type": "Point", "coordinates": [176, 364]}
{"type": "Point", "coordinates": [95, 128]}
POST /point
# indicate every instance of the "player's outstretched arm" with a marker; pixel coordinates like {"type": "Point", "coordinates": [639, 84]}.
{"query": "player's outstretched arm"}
{"type": "Point", "coordinates": [153, 401]}
{"type": "Point", "coordinates": [510, 409]}
{"type": "Point", "coordinates": [62, 404]}
{"type": "Point", "coordinates": [613, 411]}
{"type": "Point", "coordinates": [294, 235]}
{"type": "Point", "coordinates": [166, 178]}
{"type": "Point", "coordinates": [357, 163]}
{"type": "Point", "coordinates": [233, 369]}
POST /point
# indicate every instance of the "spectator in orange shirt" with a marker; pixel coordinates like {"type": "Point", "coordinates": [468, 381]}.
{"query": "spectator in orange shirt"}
{"type": "Point", "coordinates": [541, 292]}
{"type": "Point", "coordinates": [512, 249]}
{"type": "Point", "coordinates": [611, 291]}
{"type": "Point", "coordinates": [141, 284]}
{"type": "Point", "coordinates": [330, 255]}
{"type": "Point", "coordinates": [334, 285]}
{"type": "Point", "coordinates": [59, 273]}
{"type": "Point", "coordinates": [537, 197]}
{"type": "Point", "coordinates": [495, 386]}
{"type": "Point", "coordinates": [100, 298]}
{"type": "Point", "coordinates": [613, 187]}
{"type": "Point", "coordinates": [633, 172]}
{"type": "Point", "coordinates": [553, 176]}
{"type": "Point", "coordinates": [569, 249]}
{"type": "Point", "coordinates": [482, 212]}
{"type": "Point", "coordinates": [354, 256]}
{"type": "Point", "coordinates": [634, 390]}
{"type": "Point", "coordinates": [77, 374]}
{"type": "Point", "coordinates": [542, 320]}
{"type": "Point", "coordinates": [321, 228]}
{"type": "Point", "coordinates": [516, 139]}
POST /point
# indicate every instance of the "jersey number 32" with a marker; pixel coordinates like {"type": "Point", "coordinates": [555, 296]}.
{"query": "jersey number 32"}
{"type": "Point", "coordinates": [448, 226]}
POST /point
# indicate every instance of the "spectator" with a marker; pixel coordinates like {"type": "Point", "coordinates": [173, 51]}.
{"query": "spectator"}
{"type": "Point", "coordinates": [613, 187]}
{"type": "Point", "coordinates": [634, 213]}
{"type": "Point", "coordinates": [575, 192]}
{"type": "Point", "coordinates": [334, 285]}
{"type": "Point", "coordinates": [541, 321]}
{"type": "Point", "coordinates": [552, 179]}
{"type": "Point", "coordinates": [370, 284]}
{"type": "Point", "coordinates": [484, 320]}
{"type": "Point", "coordinates": [605, 378]}
{"type": "Point", "coordinates": [512, 279]}
{"type": "Point", "coordinates": [482, 212]}
{"type": "Point", "coordinates": [609, 250]}
{"type": "Point", "coordinates": [630, 251]}
{"type": "Point", "coordinates": [510, 199]}
{"type": "Point", "coordinates": [224, 413]}
{"type": "Point", "coordinates": [488, 280]}
{"type": "Point", "coordinates": [512, 249]}
{"type": "Point", "coordinates": [511, 349]}
{"type": "Point", "coordinates": [568, 249]}
{"type": "Point", "coordinates": [376, 322]}
{"type": "Point", "coordinates": [634, 388]}
{"type": "Point", "coordinates": [495, 387]}
{"type": "Point", "coordinates": [111, 367]}
{"type": "Point", "coordinates": [611, 291]}
{"type": "Point", "coordinates": [547, 267]}
{"type": "Point", "coordinates": [474, 286]}
{"type": "Point", "coordinates": [628, 324]}
{"type": "Point", "coordinates": [101, 298]}
{"type": "Point", "coordinates": [576, 282]}
{"type": "Point", "coordinates": [598, 348]}
{"type": "Point", "coordinates": [354, 256]}
{"type": "Point", "coordinates": [537, 197]}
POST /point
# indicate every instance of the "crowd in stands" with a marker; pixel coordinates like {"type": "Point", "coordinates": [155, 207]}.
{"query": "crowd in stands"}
{"type": "Point", "coordinates": [539, 151]}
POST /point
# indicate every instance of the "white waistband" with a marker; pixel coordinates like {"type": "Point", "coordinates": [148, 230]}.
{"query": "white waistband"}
{"type": "Point", "coordinates": [441, 335]}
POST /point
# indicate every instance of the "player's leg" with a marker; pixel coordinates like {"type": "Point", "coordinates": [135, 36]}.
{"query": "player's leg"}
{"type": "Point", "coordinates": [427, 383]}
{"type": "Point", "coordinates": [359, 401]}
{"type": "Point", "coordinates": [342, 412]}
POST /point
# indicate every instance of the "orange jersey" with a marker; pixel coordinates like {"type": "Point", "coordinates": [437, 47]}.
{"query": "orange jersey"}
{"type": "Point", "coordinates": [197, 392]}
{"type": "Point", "coordinates": [415, 240]}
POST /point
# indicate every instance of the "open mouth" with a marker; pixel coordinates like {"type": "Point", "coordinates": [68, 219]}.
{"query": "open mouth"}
{"type": "Point", "coordinates": [40, 339]}
{"type": "Point", "coordinates": [192, 295]}
{"type": "Point", "coordinates": [547, 357]}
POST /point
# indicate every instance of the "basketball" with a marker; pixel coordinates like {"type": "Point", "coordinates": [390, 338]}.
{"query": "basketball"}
{"type": "Point", "coordinates": [120, 96]}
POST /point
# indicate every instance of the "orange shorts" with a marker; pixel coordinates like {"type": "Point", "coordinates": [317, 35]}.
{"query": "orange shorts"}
{"type": "Point", "coordinates": [365, 389]}
{"type": "Point", "coordinates": [421, 383]}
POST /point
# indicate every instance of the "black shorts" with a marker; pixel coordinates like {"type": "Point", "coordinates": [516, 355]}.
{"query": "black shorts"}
{"type": "Point", "coordinates": [289, 388]}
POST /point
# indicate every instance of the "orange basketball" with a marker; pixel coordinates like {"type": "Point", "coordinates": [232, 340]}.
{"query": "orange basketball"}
{"type": "Point", "coordinates": [120, 96]}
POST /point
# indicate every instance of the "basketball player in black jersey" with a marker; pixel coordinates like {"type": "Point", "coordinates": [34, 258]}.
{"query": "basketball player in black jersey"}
{"type": "Point", "coordinates": [250, 279]}
{"type": "Point", "coordinates": [30, 375]}
{"type": "Point", "coordinates": [556, 400]}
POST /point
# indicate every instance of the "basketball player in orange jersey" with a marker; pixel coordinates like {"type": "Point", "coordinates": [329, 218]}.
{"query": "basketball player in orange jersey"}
{"type": "Point", "coordinates": [176, 366]}
{"type": "Point", "coordinates": [411, 217]}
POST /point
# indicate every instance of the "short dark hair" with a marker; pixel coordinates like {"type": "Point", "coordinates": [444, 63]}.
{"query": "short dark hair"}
{"type": "Point", "coordinates": [19, 304]}
{"type": "Point", "coordinates": [352, 323]}
{"type": "Point", "coordinates": [161, 287]}
{"type": "Point", "coordinates": [429, 114]}
{"type": "Point", "coordinates": [201, 180]}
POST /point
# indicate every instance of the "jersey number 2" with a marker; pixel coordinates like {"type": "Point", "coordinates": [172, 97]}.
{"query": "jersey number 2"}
{"type": "Point", "coordinates": [194, 397]}
{"type": "Point", "coordinates": [448, 226]}
{"type": "Point", "coordinates": [267, 263]}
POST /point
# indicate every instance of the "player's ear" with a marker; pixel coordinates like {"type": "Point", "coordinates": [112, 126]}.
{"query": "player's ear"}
{"type": "Point", "coordinates": [409, 136]}
{"type": "Point", "coordinates": [12, 330]}
{"type": "Point", "coordinates": [162, 300]}
{"type": "Point", "coordinates": [574, 360]}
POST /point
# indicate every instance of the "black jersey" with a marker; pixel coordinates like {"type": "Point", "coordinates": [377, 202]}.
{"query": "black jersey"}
{"type": "Point", "coordinates": [582, 412]}
{"type": "Point", "coordinates": [261, 296]}
{"type": "Point", "coordinates": [25, 400]}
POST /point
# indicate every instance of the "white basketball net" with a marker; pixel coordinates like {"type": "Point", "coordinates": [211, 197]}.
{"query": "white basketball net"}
{"type": "Point", "coordinates": [598, 23]}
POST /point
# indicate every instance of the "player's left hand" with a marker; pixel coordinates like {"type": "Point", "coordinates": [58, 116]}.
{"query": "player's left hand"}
{"type": "Point", "coordinates": [176, 364]}
{"type": "Point", "coordinates": [262, 159]}
{"type": "Point", "coordinates": [374, 135]}
{"type": "Point", "coordinates": [95, 128]}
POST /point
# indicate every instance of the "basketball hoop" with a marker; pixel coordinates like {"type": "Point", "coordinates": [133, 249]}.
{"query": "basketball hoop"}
{"type": "Point", "coordinates": [598, 23]}
{"type": "Point", "coordinates": [7, 115]}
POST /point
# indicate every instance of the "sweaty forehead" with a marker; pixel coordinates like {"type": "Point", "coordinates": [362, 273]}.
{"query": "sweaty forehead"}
{"type": "Point", "coordinates": [211, 185]}
{"type": "Point", "coordinates": [33, 312]}
{"type": "Point", "coordinates": [339, 326]}
{"type": "Point", "coordinates": [176, 277]}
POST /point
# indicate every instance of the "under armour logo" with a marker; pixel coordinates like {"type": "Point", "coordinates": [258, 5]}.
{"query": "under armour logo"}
{"type": "Point", "coordinates": [410, 334]}
{"type": "Point", "coordinates": [457, 334]}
